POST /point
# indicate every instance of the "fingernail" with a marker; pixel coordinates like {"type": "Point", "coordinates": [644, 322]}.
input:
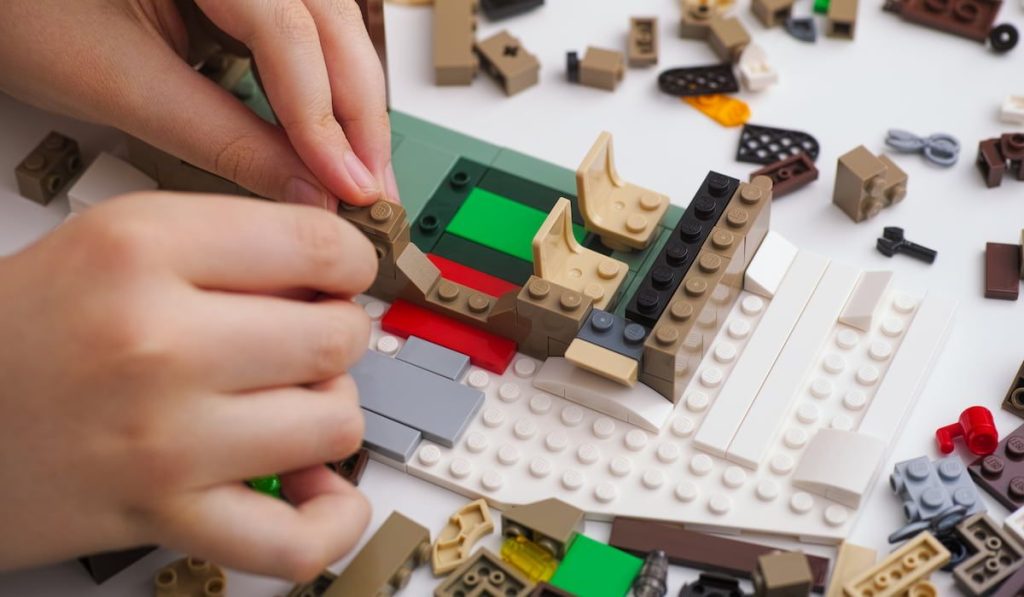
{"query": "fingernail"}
{"type": "Point", "coordinates": [360, 175]}
{"type": "Point", "coordinates": [302, 192]}
{"type": "Point", "coordinates": [392, 184]}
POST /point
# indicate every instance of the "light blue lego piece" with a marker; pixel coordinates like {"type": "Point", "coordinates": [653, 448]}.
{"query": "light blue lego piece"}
{"type": "Point", "coordinates": [928, 489]}
{"type": "Point", "coordinates": [389, 438]}
{"type": "Point", "coordinates": [434, 358]}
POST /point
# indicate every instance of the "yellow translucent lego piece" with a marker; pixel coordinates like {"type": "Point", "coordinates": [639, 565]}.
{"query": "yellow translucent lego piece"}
{"type": "Point", "coordinates": [531, 559]}
{"type": "Point", "coordinates": [725, 110]}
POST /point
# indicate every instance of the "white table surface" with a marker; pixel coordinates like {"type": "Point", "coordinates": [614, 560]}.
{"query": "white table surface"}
{"type": "Point", "coordinates": [845, 93]}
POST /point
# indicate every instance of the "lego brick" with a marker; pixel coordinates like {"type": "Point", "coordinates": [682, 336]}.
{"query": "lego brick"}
{"type": "Point", "coordinates": [469, 277]}
{"type": "Point", "coordinates": [639, 405]}
{"type": "Point", "coordinates": [643, 42]}
{"type": "Point", "coordinates": [528, 192]}
{"type": "Point", "coordinates": [546, 590]}
{"type": "Point", "coordinates": [314, 588]}
{"type": "Point", "coordinates": [894, 241]}
{"type": "Point", "coordinates": [866, 184]}
{"type": "Point", "coordinates": [373, 21]}
{"type": "Point", "coordinates": [695, 22]}
{"type": "Point", "coordinates": [1011, 145]}
{"type": "Point", "coordinates": [709, 584]}
{"type": "Point", "coordinates": [782, 574]}
{"type": "Point", "coordinates": [930, 489]}
{"type": "Point", "coordinates": [454, 33]}
{"type": "Point", "coordinates": [972, 19]}
{"type": "Point", "coordinates": [552, 312]}
{"type": "Point", "coordinates": [496, 10]}
{"type": "Point", "coordinates": [614, 333]}
{"type": "Point", "coordinates": [1013, 586]}
{"type": "Point", "coordinates": [593, 568]}
{"type": "Point", "coordinates": [437, 407]}
{"type": "Point", "coordinates": [1002, 271]}
{"type": "Point", "coordinates": [351, 468]}
{"type": "Point", "coordinates": [756, 73]}
{"type": "Point", "coordinates": [455, 542]}
{"type": "Point", "coordinates": [174, 174]}
{"type": "Point", "coordinates": [601, 361]}
{"type": "Point", "coordinates": [940, 149]}
{"type": "Point", "coordinates": [977, 428]}
{"type": "Point", "coordinates": [789, 175]}
{"type": "Point", "coordinates": [190, 576]}
{"type": "Point", "coordinates": [990, 162]}
{"type": "Point", "coordinates": [420, 169]}
{"type": "Point", "coordinates": [780, 389]}
{"type": "Point", "coordinates": [723, 109]}
{"type": "Point", "coordinates": [550, 523]}
{"type": "Point", "coordinates": [803, 29]}
{"type": "Point", "coordinates": [699, 80]}
{"type": "Point", "coordinates": [728, 38]}
{"type": "Point", "coordinates": [851, 560]}
{"type": "Point", "coordinates": [842, 19]}
{"type": "Point", "coordinates": [106, 177]}
{"type": "Point", "coordinates": [860, 311]}
{"type": "Point", "coordinates": [738, 392]}
{"type": "Point", "coordinates": [431, 357]}
{"type": "Point", "coordinates": [437, 214]}
{"type": "Point", "coordinates": [769, 266]}
{"type": "Point", "coordinates": [529, 558]}
{"type": "Point", "coordinates": [999, 473]}
{"type": "Point", "coordinates": [511, 65]}
{"type": "Point", "coordinates": [513, 167]}
{"type": "Point", "coordinates": [1014, 400]}
{"type": "Point", "coordinates": [1013, 525]}
{"type": "Point", "coordinates": [901, 570]}
{"type": "Point", "coordinates": [602, 69]}
{"type": "Point", "coordinates": [672, 217]}
{"type": "Point", "coordinates": [747, 216]}
{"type": "Point", "coordinates": [996, 557]}
{"type": "Point", "coordinates": [839, 465]}
{"type": "Point", "coordinates": [624, 215]}
{"type": "Point", "coordinates": [48, 168]}
{"type": "Point", "coordinates": [102, 566]}
{"type": "Point", "coordinates": [909, 369]}
{"type": "Point", "coordinates": [388, 437]}
{"type": "Point", "coordinates": [694, 549]}
{"type": "Point", "coordinates": [772, 12]}
{"type": "Point", "coordinates": [468, 147]}
{"type": "Point", "coordinates": [766, 145]}
{"type": "Point", "coordinates": [484, 574]}
{"type": "Point", "coordinates": [386, 561]}
{"type": "Point", "coordinates": [483, 259]}
{"type": "Point", "coordinates": [1012, 110]}
{"type": "Point", "coordinates": [558, 257]}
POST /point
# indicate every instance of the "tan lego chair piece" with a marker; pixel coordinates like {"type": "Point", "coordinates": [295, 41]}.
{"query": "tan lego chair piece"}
{"type": "Point", "coordinates": [728, 38]}
{"type": "Point", "coordinates": [550, 523]}
{"type": "Point", "coordinates": [643, 41]}
{"type": "Point", "coordinates": [772, 13]}
{"type": "Point", "coordinates": [190, 576]}
{"type": "Point", "coordinates": [624, 215]}
{"type": "Point", "coordinates": [866, 184]}
{"type": "Point", "coordinates": [842, 19]}
{"type": "Point", "coordinates": [558, 257]}
{"type": "Point", "coordinates": [851, 560]}
{"type": "Point", "coordinates": [606, 363]}
{"type": "Point", "coordinates": [455, 542]}
{"type": "Point", "coordinates": [552, 315]}
{"type": "Point", "coordinates": [602, 69]}
{"type": "Point", "coordinates": [454, 34]}
{"type": "Point", "coordinates": [511, 65]}
{"type": "Point", "coordinates": [386, 562]}
{"type": "Point", "coordinates": [698, 14]}
{"type": "Point", "coordinates": [904, 568]}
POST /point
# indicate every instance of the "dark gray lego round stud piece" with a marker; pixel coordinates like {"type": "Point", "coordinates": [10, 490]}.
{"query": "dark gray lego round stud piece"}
{"type": "Point", "coordinates": [602, 321]}
{"type": "Point", "coordinates": [802, 29]}
{"type": "Point", "coordinates": [634, 333]}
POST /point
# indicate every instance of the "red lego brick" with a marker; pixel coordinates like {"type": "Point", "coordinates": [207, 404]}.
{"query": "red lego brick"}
{"type": "Point", "coordinates": [467, 276]}
{"type": "Point", "coordinates": [485, 350]}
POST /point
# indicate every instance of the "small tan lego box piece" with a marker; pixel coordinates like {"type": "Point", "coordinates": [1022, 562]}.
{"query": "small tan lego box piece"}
{"type": "Point", "coordinates": [601, 361]}
{"type": "Point", "coordinates": [456, 540]}
{"type": "Point", "coordinates": [602, 68]}
{"type": "Point", "coordinates": [49, 168]}
{"type": "Point", "coordinates": [866, 184]}
{"type": "Point", "coordinates": [842, 19]}
{"type": "Point", "coordinates": [643, 41]}
{"type": "Point", "coordinates": [728, 38]}
{"type": "Point", "coordinates": [386, 561]}
{"type": "Point", "coordinates": [783, 574]}
{"type": "Point", "coordinates": [902, 570]}
{"type": "Point", "coordinates": [190, 577]}
{"type": "Point", "coordinates": [698, 14]}
{"type": "Point", "coordinates": [772, 13]}
{"type": "Point", "coordinates": [558, 257]}
{"type": "Point", "coordinates": [511, 65]}
{"type": "Point", "coordinates": [624, 215]}
{"type": "Point", "coordinates": [550, 523]}
{"type": "Point", "coordinates": [454, 33]}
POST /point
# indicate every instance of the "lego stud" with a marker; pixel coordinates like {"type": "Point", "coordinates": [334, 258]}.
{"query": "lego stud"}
{"type": "Point", "coordinates": [381, 211]}
{"type": "Point", "coordinates": [976, 427]}
{"type": "Point", "coordinates": [681, 311]}
{"type": "Point", "coordinates": [538, 289]}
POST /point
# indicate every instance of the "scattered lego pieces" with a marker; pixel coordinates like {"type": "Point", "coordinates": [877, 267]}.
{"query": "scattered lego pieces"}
{"type": "Point", "coordinates": [102, 566]}
{"type": "Point", "coordinates": [842, 19]}
{"type": "Point", "coordinates": [893, 241]}
{"type": "Point", "coordinates": [935, 490]}
{"type": "Point", "coordinates": [529, 558]}
{"type": "Point", "coordinates": [48, 168]}
{"type": "Point", "coordinates": [496, 10]}
{"type": "Point", "coordinates": [710, 584]}
{"type": "Point", "coordinates": [643, 41]}
{"type": "Point", "coordinates": [190, 577]}
{"type": "Point", "coordinates": [940, 149]}
{"type": "Point", "coordinates": [351, 469]}
{"type": "Point", "coordinates": [1002, 271]}
{"type": "Point", "coordinates": [455, 542]}
{"type": "Point", "coordinates": [782, 574]}
{"type": "Point", "coordinates": [653, 578]}
{"type": "Point", "coordinates": [386, 561]}
{"type": "Point", "coordinates": [851, 560]}
{"type": "Point", "coordinates": [551, 523]}
{"type": "Point", "coordinates": [996, 556]}
{"type": "Point", "coordinates": [772, 12]}
{"type": "Point", "coordinates": [1012, 110]}
{"type": "Point", "coordinates": [600, 69]}
{"type": "Point", "coordinates": [1001, 473]}
{"type": "Point", "coordinates": [484, 574]}
{"type": "Point", "coordinates": [802, 29]}
{"type": "Point", "coordinates": [106, 177]}
{"type": "Point", "coordinates": [1014, 400]}
{"type": "Point", "coordinates": [454, 33]}
{"type": "Point", "coordinates": [756, 73]}
{"type": "Point", "coordinates": [866, 184]}
{"type": "Point", "coordinates": [976, 427]}
{"type": "Point", "coordinates": [902, 570]}
{"type": "Point", "coordinates": [766, 145]}
{"type": "Point", "coordinates": [726, 111]}
{"type": "Point", "coordinates": [698, 80]}
{"type": "Point", "coordinates": [593, 568]}
{"type": "Point", "coordinates": [511, 65]}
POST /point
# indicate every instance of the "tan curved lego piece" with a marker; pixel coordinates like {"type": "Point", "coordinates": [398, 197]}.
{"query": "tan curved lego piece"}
{"type": "Point", "coordinates": [559, 258]}
{"type": "Point", "coordinates": [624, 215]}
{"type": "Point", "coordinates": [455, 543]}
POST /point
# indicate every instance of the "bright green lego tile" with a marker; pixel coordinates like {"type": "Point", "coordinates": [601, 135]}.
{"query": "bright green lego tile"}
{"type": "Point", "coordinates": [561, 179]}
{"type": "Point", "coordinates": [420, 169]}
{"type": "Point", "coordinates": [499, 223]}
{"type": "Point", "coordinates": [821, 6]}
{"type": "Point", "coordinates": [431, 134]}
{"type": "Point", "coordinates": [593, 569]}
{"type": "Point", "coordinates": [672, 216]}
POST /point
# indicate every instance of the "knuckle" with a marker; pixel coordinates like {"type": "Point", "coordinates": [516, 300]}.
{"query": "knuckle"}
{"type": "Point", "coordinates": [118, 242]}
{"type": "Point", "coordinates": [239, 160]}
{"type": "Point", "coordinates": [333, 348]}
{"type": "Point", "coordinates": [293, 23]}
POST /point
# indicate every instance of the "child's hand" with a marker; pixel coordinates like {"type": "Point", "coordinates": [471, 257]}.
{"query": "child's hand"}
{"type": "Point", "coordinates": [121, 62]}
{"type": "Point", "coordinates": [150, 362]}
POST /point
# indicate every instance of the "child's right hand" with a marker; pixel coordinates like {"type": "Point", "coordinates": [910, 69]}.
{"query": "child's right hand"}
{"type": "Point", "coordinates": [156, 352]}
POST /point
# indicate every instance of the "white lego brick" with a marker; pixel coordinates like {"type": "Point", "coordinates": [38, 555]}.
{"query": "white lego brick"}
{"type": "Point", "coordinates": [910, 368]}
{"type": "Point", "coordinates": [769, 266]}
{"type": "Point", "coordinates": [1014, 525]}
{"type": "Point", "coordinates": [639, 405]}
{"type": "Point", "coordinates": [756, 73]}
{"type": "Point", "coordinates": [763, 421]}
{"type": "Point", "coordinates": [1012, 110]}
{"type": "Point", "coordinates": [860, 311]}
{"type": "Point", "coordinates": [106, 177]}
{"type": "Point", "coordinates": [840, 465]}
{"type": "Point", "coordinates": [752, 367]}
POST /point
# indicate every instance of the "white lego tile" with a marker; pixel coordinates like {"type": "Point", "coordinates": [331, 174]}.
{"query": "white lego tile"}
{"type": "Point", "coordinates": [763, 421]}
{"type": "Point", "coordinates": [769, 266]}
{"type": "Point", "coordinates": [756, 73]}
{"type": "Point", "coordinates": [840, 465]}
{"type": "Point", "coordinates": [860, 310]}
{"type": "Point", "coordinates": [639, 405]}
{"type": "Point", "coordinates": [910, 368]}
{"type": "Point", "coordinates": [106, 177]}
{"type": "Point", "coordinates": [1012, 110]}
{"type": "Point", "coordinates": [752, 367]}
{"type": "Point", "coordinates": [1014, 525]}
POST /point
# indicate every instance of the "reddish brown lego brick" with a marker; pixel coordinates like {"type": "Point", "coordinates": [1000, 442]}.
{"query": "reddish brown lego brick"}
{"type": "Point", "coordinates": [789, 175]}
{"type": "Point", "coordinates": [1011, 145]}
{"type": "Point", "coordinates": [972, 19]}
{"type": "Point", "coordinates": [1014, 400]}
{"type": "Point", "coordinates": [1001, 473]}
{"type": "Point", "coordinates": [1002, 271]}
{"type": "Point", "coordinates": [991, 162]}
{"type": "Point", "coordinates": [351, 469]}
{"type": "Point", "coordinates": [699, 550]}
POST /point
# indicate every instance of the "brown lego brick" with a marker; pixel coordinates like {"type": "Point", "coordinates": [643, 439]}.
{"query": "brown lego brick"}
{"type": "Point", "coordinates": [699, 550]}
{"type": "Point", "coordinates": [550, 313]}
{"type": "Point", "coordinates": [894, 576]}
{"type": "Point", "coordinates": [1002, 271]}
{"type": "Point", "coordinates": [601, 361]}
{"type": "Point", "coordinates": [602, 69]}
{"type": "Point", "coordinates": [190, 577]}
{"type": "Point", "coordinates": [174, 174]}
{"type": "Point", "coordinates": [643, 41]}
{"type": "Point", "coordinates": [782, 574]}
{"type": "Point", "coordinates": [455, 63]}
{"type": "Point", "coordinates": [508, 62]}
{"type": "Point", "coordinates": [456, 540]}
{"type": "Point", "coordinates": [314, 588]}
{"type": "Point", "coordinates": [48, 168]}
{"type": "Point", "coordinates": [851, 561]}
{"type": "Point", "coordinates": [971, 19]}
{"type": "Point", "coordinates": [772, 12]}
{"type": "Point", "coordinates": [789, 175]}
{"type": "Point", "coordinates": [549, 523]}
{"type": "Point", "coordinates": [1001, 473]}
{"type": "Point", "coordinates": [483, 575]}
{"type": "Point", "coordinates": [996, 556]}
{"type": "Point", "coordinates": [747, 216]}
{"type": "Point", "coordinates": [545, 590]}
{"type": "Point", "coordinates": [1011, 145]}
{"type": "Point", "coordinates": [1013, 587]}
{"type": "Point", "coordinates": [373, 20]}
{"type": "Point", "coordinates": [351, 469]}
{"type": "Point", "coordinates": [865, 184]}
{"type": "Point", "coordinates": [842, 19]}
{"type": "Point", "coordinates": [991, 163]}
{"type": "Point", "coordinates": [386, 562]}
{"type": "Point", "coordinates": [1014, 400]}
{"type": "Point", "coordinates": [728, 38]}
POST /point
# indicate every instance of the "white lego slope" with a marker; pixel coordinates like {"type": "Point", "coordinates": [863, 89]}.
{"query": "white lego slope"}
{"type": "Point", "coordinates": [526, 444]}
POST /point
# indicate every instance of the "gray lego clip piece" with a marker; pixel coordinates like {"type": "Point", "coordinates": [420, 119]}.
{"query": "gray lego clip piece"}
{"type": "Point", "coordinates": [440, 408]}
{"type": "Point", "coordinates": [614, 333]}
{"type": "Point", "coordinates": [436, 359]}
{"type": "Point", "coordinates": [931, 489]}
{"type": "Point", "coordinates": [389, 438]}
{"type": "Point", "coordinates": [940, 149]}
{"type": "Point", "coordinates": [802, 29]}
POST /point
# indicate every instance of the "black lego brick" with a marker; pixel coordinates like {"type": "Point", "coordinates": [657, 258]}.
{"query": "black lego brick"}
{"type": "Point", "coordinates": [497, 10]}
{"type": "Point", "coordinates": [698, 80]}
{"type": "Point", "coordinates": [527, 192]}
{"type": "Point", "coordinates": [430, 225]}
{"type": "Point", "coordinates": [483, 259]}
{"type": "Point", "coordinates": [102, 566]}
{"type": "Point", "coordinates": [669, 268]}
{"type": "Point", "coordinates": [766, 145]}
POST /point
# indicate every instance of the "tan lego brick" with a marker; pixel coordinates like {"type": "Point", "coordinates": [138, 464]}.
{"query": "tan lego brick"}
{"type": "Point", "coordinates": [508, 62]}
{"type": "Point", "coordinates": [698, 14]}
{"type": "Point", "coordinates": [190, 576]}
{"type": "Point", "coordinates": [386, 562]}
{"type": "Point", "coordinates": [866, 184]}
{"type": "Point", "coordinates": [48, 168]}
{"type": "Point", "coordinates": [643, 41]}
{"type": "Point", "coordinates": [851, 561]}
{"type": "Point", "coordinates": [624, 215]}
{"type": "Point", "coordinates": [552, 314]}
{"type": "Point", "coordinates": [601, 68]}
{"type": "Point", "coordinates": [747, 217]}
{"type": "Point", "coordinates": [550, 523]}
{"type": "Point", "coordinates": [460, 303]}
{"type": "Point", "coordinates": [601, 361]}
{"type": "Point", "coordinates": [455, 63]}
{"type": "Point", "coordinates": [455, 542]}
{"type": "Point", "coordinates": [783, 574]}
{"type": "Point", "coordinates": [728, 38]}
{"type": "Point", "coordinates": [842, 19]}
{"type": "Point", "coordinates": [485, 574]}
{"type": "Point", "coordinates": [894, 576]}
{"type": "Point", "coordinates": [772, 13]}
{"type": "Point", "coordinates": [173, 174]}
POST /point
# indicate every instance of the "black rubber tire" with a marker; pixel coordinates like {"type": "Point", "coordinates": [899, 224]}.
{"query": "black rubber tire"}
{"type": "Point", "coordinates": [1003, 38]}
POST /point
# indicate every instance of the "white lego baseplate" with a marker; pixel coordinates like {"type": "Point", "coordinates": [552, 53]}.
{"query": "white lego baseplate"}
{"type": "Point", "coordinates": [526, 444]}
